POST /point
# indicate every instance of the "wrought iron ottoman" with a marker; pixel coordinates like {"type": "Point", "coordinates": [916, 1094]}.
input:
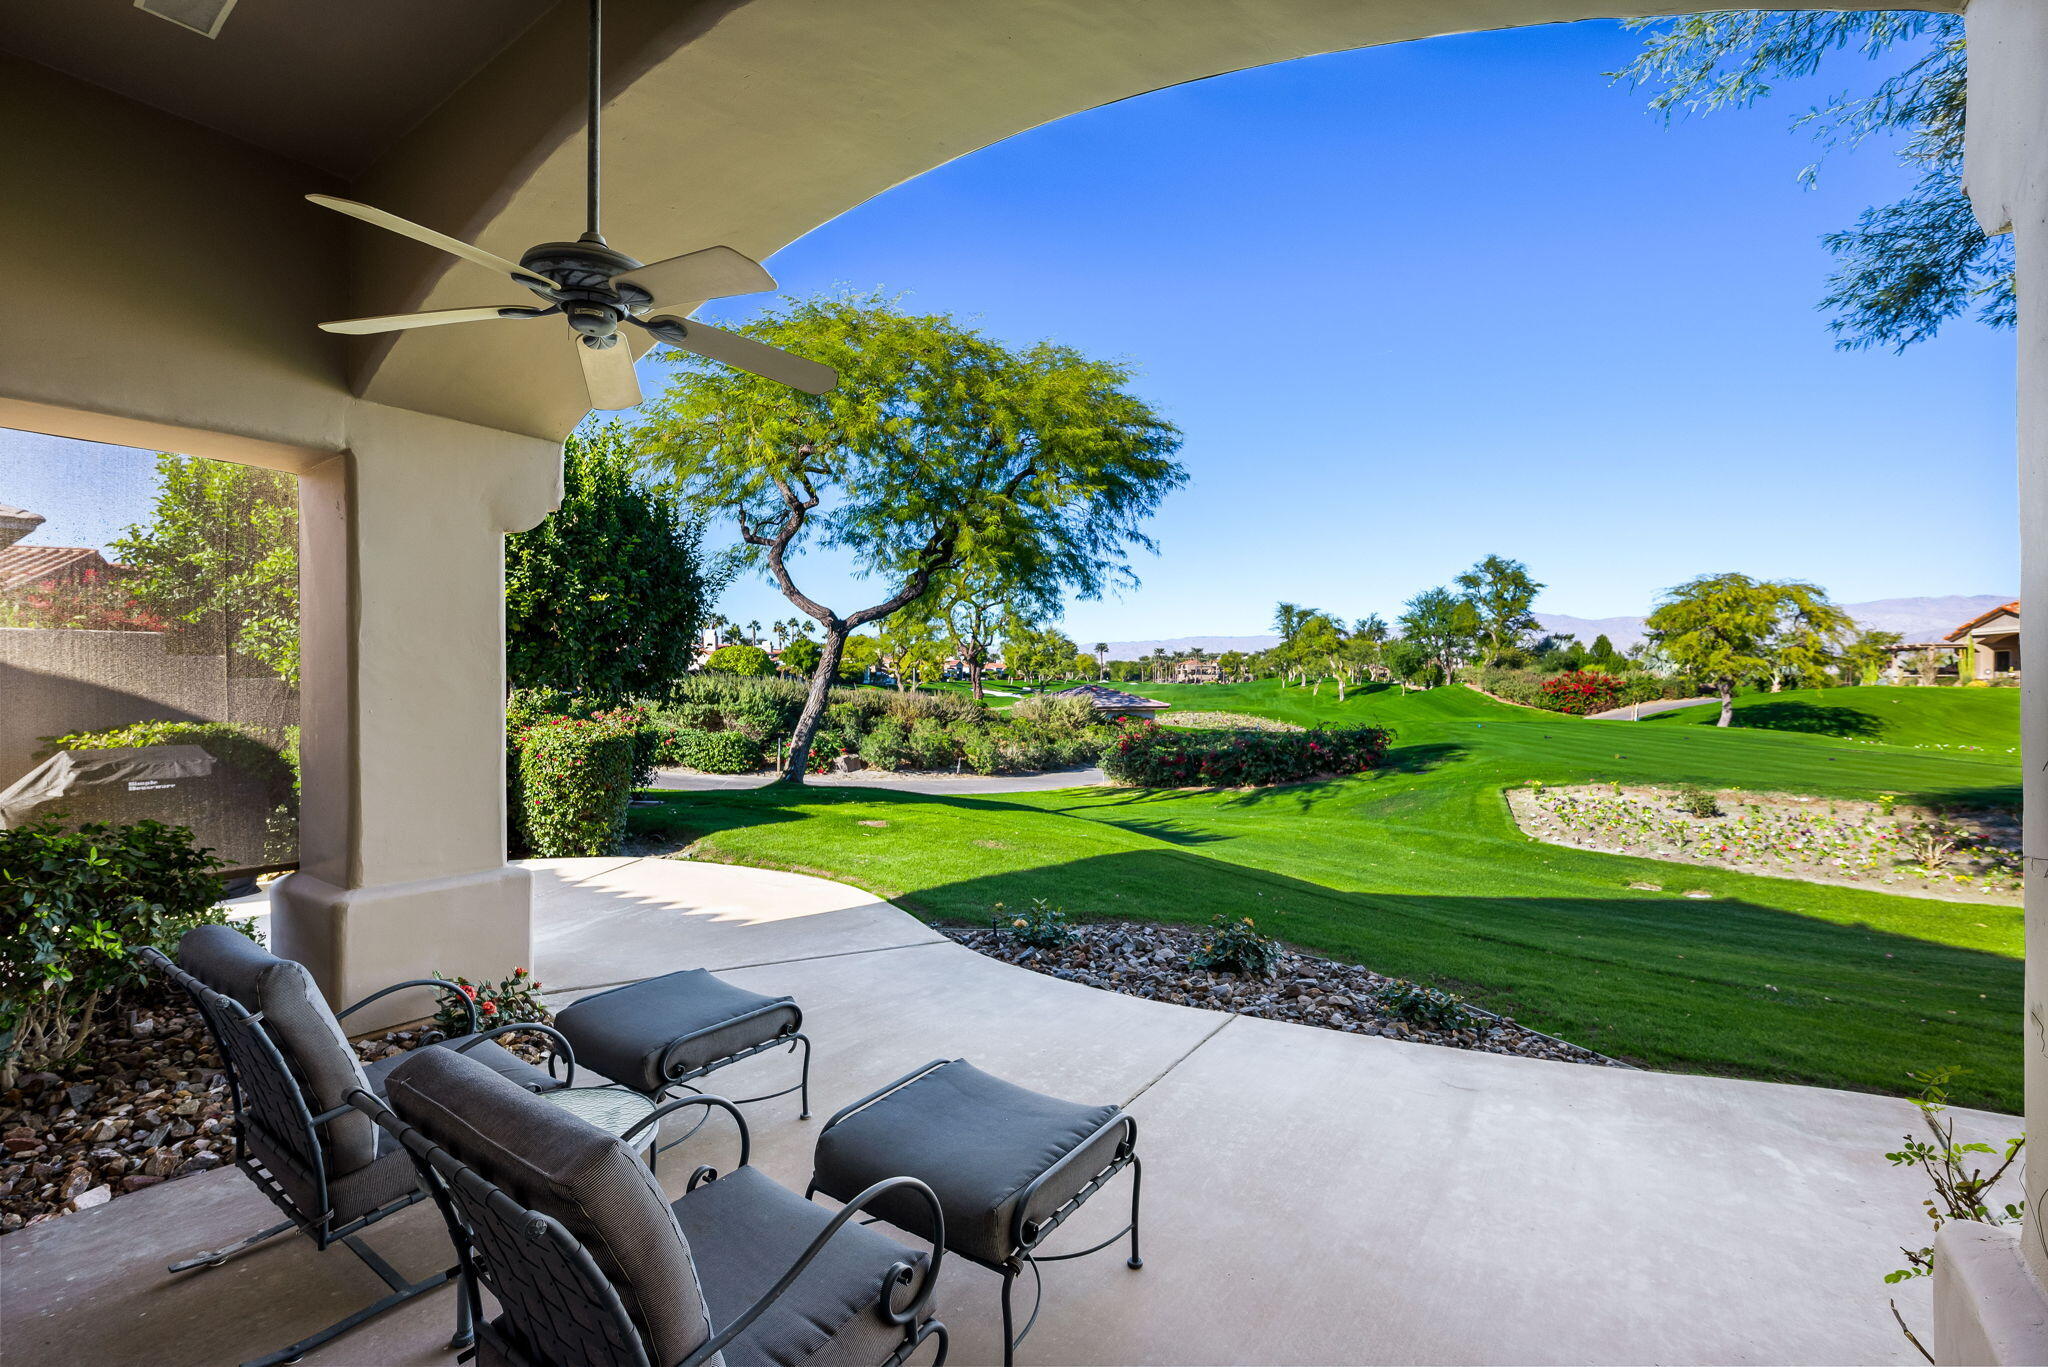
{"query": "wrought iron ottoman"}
{"type": "Point", "coordinates": [661, 1034]}
{"type": "Point", "coordinates": [1008, 1165]}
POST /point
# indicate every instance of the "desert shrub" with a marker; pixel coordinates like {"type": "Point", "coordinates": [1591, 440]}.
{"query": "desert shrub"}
{"type": "Point", "coordinates": [981, 753]}
{"type": "Point", "coordinates": [886, 745]}
{"type": "Point", "coordinates": [1026, 750]}
{"type": "Point", "coordinates": [513, 999]}
{"type": "Point", "coordinates": [1694, 800]}
{"type": "Point", "coordinates": [575, 777]}
{"type": "Point", "coordinates": [75, 906]}
{"type": "Point", "coordinates": [1044, 926]}
{"type": "Point", "coordinates": [715, 752]}
{"type": "Point", "coordinates": [1426, 1006]}
{"type": "Point", "coordinates": [1236, 946]}
{"type": "Point", "coordinates": [940, 707]}
{"type": "Point", "coordinates": [1146, 754]}
{"type": "Point", "coordinates": [931, 744]}
{"type": "Point", "coordinates": [1054, 713]}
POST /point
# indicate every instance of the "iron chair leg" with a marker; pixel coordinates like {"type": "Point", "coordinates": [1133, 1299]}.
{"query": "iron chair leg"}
{"type": "Point", "coordinates": [401, 1292]}
{"type": "Point", "coordinates": [221, 1255]}
{"type": "Point", "coordinates": [804, 1092]}
{"type": "Point", "coordinates": [1010, 1270]}
{"type": "Point", "coordinates": [1137, 1189]}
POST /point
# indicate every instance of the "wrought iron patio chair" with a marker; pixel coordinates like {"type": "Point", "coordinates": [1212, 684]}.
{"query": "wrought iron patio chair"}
{"type": "Point", "coordinates": [592, 1265]}
{"type": "Point", "coordinates": [290, 1071]}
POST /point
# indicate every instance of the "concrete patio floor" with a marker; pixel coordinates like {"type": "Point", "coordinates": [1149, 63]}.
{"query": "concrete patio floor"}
{"type": "Point", "coordinates": [1310, 1197]}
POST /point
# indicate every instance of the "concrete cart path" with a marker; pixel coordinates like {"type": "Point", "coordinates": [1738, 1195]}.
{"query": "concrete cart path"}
{"type": "Point", "coordinates": [1648, 709]}
{"type": "Point", "coordinates": [1310, 1196]}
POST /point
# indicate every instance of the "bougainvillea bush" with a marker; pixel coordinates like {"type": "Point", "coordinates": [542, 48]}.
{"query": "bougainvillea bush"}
{"type": "Point", "coordinates": [573, 781]}
{"type": "Point", "coordinates": [1146, 754]}
{"type": "Point", "coordinates": [1583, 691]}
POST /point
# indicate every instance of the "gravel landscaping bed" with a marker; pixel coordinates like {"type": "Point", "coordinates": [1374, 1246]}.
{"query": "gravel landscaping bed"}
{"type": "Point", "coordinates": [149, 1104]}
{"type": "Point", "coordinates": [1226, 721]}
{"type": "Point", "coordinates": [1143, 960]}
{"type": "Point", "coordinates": [1975, 856]}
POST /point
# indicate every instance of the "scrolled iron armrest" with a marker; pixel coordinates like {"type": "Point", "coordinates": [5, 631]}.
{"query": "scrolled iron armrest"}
{"type": "Point", "coordinates": [1025, 1229]}
{"type": "Point", "coordinates": [896, 1276]}
{"type": "Point", "coordinates": [654, 1118]}
{"type": "Point", "coordinates": [673, 1071]}
{"type": "Point", "coordinates": [468, 1005]}
{"type": "Point", "coordinates": [558, 1043]}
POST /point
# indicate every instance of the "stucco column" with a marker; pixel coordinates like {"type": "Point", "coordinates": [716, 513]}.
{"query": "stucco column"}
{"type": "Point", "coordinates": [1991, 1286]}
{"type": "Point", "coordinates": [402, 684]}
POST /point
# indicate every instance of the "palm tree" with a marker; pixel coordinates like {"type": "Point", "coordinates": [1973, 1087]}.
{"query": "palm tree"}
{"type": "Point", "coordinates": [1102, 659]}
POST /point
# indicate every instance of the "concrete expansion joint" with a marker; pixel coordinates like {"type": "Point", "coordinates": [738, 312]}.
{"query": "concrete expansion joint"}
{"type": "Point", "coordinates": [764, 963]}
{"type": "Point", "coordinates": [1223, 1025]}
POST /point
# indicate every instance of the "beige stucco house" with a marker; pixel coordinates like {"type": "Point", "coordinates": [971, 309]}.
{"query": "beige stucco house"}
{"type": "Point", "coordinates": [1989, 646]}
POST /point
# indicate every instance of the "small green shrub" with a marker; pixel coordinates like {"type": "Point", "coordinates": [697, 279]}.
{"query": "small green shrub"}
{"type": "Point", "coordinates": [513, 999]}
{"type": "Point", "coordinates": [930, 744]}
{"type": "Point", "coordinates": [887, 746]}
{"type": "Point", "coordinates": [75, 906]}
{"type": "Point", "coordinates": [1043, 927]}
{"type": "Point", "coordinates": [1694, 800]}
{"type": "Point", "coordinates": [981, 753]}
{"type": "Point", "coordinates": [1149, 755]}
{"type": "Point", "coordinates": [747, 661]}
{"type": "Point", "coordinates": [1426, 1006]}
{"type": "Point", "coordinates": [715, 752]}
{"type": "Point", "coordinates": [575, 779]}
{"type": "Point", "coordinates": [1237, 947]}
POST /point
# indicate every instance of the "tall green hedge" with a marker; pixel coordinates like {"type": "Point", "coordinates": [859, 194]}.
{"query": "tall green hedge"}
{"type": "Point", "coordinates": [575, 778]}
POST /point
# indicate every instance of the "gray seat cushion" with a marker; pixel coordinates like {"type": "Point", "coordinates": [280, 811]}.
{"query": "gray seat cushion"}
{"type": "Point", "coordinates": [626, 1032]}
{"type": "Point", "coordinates": [975, 1140]}
{"type": "Point", "coordinates": [499, 1061]}
{"type": "Point", "coordinates": [747, 1231]}
{"type": "Point", "coordinates": [550, 1161]}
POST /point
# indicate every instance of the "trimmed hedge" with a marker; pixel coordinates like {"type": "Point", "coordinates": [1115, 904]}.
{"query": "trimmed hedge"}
{"type": "Point", "coordinates": [1148, 755]}
{"type": "Point", "coordinates": [709, 752]}
{"type": "Point", "coordinates": [575, 778]}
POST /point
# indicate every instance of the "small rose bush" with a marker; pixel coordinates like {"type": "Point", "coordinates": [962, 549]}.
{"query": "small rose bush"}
{"type": "Point", "coordinates": [508, 1001]}
{"type": "Point", "coordinates": [1236, 946]}
{"type": "Point", "coordinates": [1044, 926]}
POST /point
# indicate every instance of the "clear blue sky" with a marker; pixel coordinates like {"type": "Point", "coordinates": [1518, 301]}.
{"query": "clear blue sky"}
{"type": "Point", "coordinates": [1414, 305]}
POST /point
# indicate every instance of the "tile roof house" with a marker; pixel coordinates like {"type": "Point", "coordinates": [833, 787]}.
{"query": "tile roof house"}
{"type": "Point", "coordinates": [21, 566]}
{"type": "Point", "coordinates": [16, 523]}
{"type": "Point", "coordinates": [1990, 643]}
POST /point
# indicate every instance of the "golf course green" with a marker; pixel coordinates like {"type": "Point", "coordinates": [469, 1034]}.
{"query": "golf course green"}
{"type": "Point", "coordinates": [1418, 870]}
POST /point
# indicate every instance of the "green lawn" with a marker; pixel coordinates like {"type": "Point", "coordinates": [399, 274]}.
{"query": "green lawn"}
{"type": "Point", "coordinates": [1418, 870]}
{"type": "Point", "coordinates": [1965, 719]}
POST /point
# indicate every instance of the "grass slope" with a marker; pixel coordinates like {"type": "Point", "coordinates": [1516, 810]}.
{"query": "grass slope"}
{"type": "Point", "coordinates": [1418, 870]}
{"type": "Point", "coordinates": [1984, 719]}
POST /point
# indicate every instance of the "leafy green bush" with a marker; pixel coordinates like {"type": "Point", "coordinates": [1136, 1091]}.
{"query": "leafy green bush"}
{"type": "Point", "coordinates": [747, 661]}
{"type": "Point", "coordinates": [1054, 713]}
{"type": "Point", "coordinates": [575, 778]}
{"type": "Point", "coordinates": [1236, 947]}
{"type": "Point", "coordinates": [714, 752]}
{"type": "Point", "coordinates": [75, 906]}
{"type": "Point", "coordinates": [1149, 755]}
{"type": "Point", "coordinates": [1426, 1006]}
{"type": "Point", "coordinates": [981, 753]}
{"type": "Point", "coordinates": [887, 746]}
{"type": "Point", "coordinates": [1043, 927]}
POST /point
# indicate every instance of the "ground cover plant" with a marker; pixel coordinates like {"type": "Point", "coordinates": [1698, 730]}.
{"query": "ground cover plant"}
{"type": "Point", "coordinates": [1418, 871]}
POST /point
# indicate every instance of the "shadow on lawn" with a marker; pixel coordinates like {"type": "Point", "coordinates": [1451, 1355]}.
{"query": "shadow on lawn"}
{"type": "Point", "coordinates": [1760, 992]}
{"type": "Point", "coordinates": [1815, 720]}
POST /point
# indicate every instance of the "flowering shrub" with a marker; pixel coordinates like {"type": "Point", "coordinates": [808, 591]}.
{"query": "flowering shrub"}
{"type": "Point", "coordinates": [510, 1000]}
{"type": "Point", "coordinates": [91, 600]}
{"type": "Point", "coordinates": [575, 777]}
{"type": "Point", "coordinates": [1236, 947]}
{"type": "Point", "coordinates": [1043, 927]}
{"type": "Point", "coordinates": [1426, 1006]}
{"type": "Point", "coordinates": [1149, 755]}
{"type": "Point", "coordinates": [1583, 691]}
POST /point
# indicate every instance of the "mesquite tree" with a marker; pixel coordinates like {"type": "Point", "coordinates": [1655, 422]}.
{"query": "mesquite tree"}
{"type": "Point", "coordinates": [1729, 629]}
{"type": "Point", "coordinates": [939, 447]}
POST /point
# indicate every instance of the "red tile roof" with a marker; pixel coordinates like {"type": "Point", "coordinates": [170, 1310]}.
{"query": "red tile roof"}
{"type": "Point", "coordinates": [2013, 607]}
{"type": "Point", "coordinates": [21, 566]}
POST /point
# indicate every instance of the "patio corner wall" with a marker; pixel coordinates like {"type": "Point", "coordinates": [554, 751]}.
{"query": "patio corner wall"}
{"type": "Point", "coordinates": [1991, 1286]}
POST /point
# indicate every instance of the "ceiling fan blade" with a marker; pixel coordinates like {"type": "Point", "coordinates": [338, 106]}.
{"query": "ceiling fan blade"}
{"type": "Point", "coordinates": [608, 374]}
{"type": "Point", "coordinates": [714, 273]}
{"type": "Point", "coordinates": [757, 358]}
{"type": "Point", "coordinates": [396, 322]}
{"type": "Point", "coordinates": [407, 228]}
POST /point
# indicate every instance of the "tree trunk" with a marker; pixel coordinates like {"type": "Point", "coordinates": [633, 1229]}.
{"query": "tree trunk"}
{"type": "Point", "coordinates": [798, 762]}
{"type": "Point", "coordinates": [1727, 692]}
{"type": "Point", "coordinates": [974, 673]}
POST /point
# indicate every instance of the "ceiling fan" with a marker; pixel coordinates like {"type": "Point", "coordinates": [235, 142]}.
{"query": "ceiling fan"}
{"type": "Point", "coordinates": [597, 288]}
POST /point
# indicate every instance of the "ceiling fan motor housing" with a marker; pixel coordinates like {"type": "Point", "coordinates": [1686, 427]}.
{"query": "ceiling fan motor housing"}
{"type": "Point", "coordinates": [583, 271]}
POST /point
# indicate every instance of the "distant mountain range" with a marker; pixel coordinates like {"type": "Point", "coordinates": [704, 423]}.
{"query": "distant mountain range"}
{"type": "Point", "coordinates": [1917, 619]}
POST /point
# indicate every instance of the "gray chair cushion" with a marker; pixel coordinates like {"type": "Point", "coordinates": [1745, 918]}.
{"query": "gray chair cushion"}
{"type": "Point", "coordinates": [299, 1022]}
{"type": "Point", "coordinates": [499, 1061]}
{"type": "Point", "coordinates": [747, 1231]}
{"type": "Point", "coordinates": [975, 1140]}
{"type": "Point", "coordinates": [550, 1161]}
{"type": "Point", "coordinates": [625, 1032]}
